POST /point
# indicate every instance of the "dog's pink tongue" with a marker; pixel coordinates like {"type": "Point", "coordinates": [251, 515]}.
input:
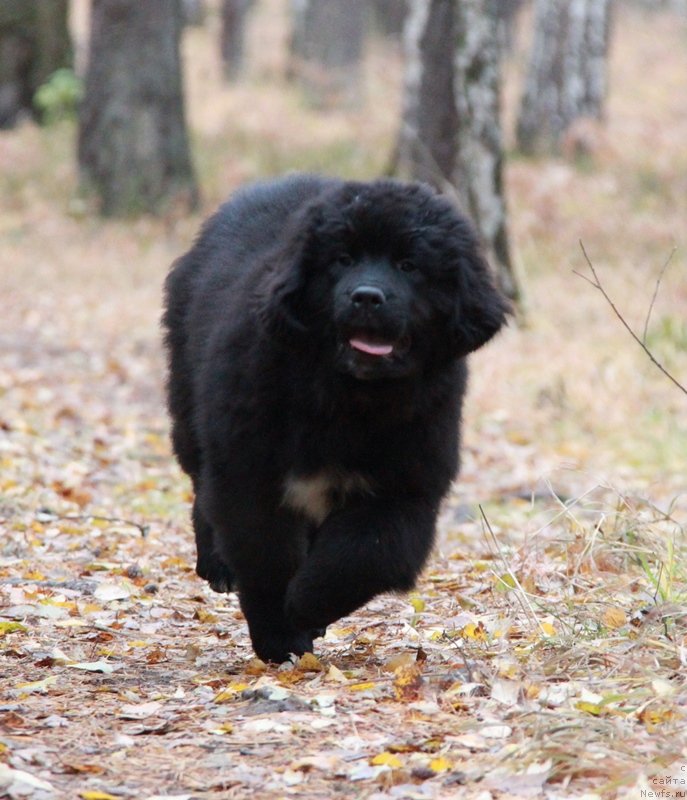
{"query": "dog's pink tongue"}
{"type": "Point", "coordinates": [372, 349]}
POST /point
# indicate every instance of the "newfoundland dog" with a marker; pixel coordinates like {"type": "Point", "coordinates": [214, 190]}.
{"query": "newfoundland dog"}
{"type": "Point", "coordinates": [317, 334]}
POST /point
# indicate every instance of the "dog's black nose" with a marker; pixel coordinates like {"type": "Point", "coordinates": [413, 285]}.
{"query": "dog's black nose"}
{"type": "Point", "coordinates": [368, 297]}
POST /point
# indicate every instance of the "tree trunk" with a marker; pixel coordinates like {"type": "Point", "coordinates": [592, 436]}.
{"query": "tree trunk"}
{"type": "Point", "coordinates": [34, 43]}
{"type": "Point", "coordinates": [326, 50]}
{"type": "Point", "coordinates": [451, 130]}
{"type": "Point", "coordinates": [133, 147]}
{"type": "Point", "coordinates": [566, 78]}
{"type": "Point", "coordinates": [426, 148]}
{"type": "Point", "coordinates": [232, 36]}
{"type": "Point", "coordinates": [389, 16]}
{"type": "Point", "coordinates": [478, 175]}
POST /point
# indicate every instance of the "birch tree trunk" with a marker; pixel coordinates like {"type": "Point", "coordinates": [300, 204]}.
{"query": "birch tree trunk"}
{"type": "Point", "coordinates": [133, 147]}
{"type": "Point", "coordinates": [451, 130]}
{"type": "Point", "coordinates": [327, 49]}
{"type": "Point", "coordinates": [567, 74]}
{"type": "Point", "coordinates": [426, 146]}
{"type": "Point", "coordinates": [478, 172]}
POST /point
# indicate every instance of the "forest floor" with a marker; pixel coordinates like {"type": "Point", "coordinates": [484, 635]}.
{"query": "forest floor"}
{"type": "Point", "coordinates": [544, 653]}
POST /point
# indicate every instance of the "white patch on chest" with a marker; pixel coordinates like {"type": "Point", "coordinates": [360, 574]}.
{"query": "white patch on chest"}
{"type": "Point", "coordinates": [316, 496]}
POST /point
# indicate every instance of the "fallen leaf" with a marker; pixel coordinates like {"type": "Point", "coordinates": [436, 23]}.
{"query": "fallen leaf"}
{"type": "Point", "coordinates": [614, 617]}
{"type": "Point", "coordinates": [309, 663]}
{"type": "Point", "coordinates": [16, 781]}
{"type": "Point", "coordinates": [362, 687]}
{"type": "Point", "coordinates": [474, 630]}
{"type": "Point", "coordinates": [408, 682]}
{"type": "Point", "coordinates": [140, 710]}
{"type": "Point", "coordinates": [496, 731]}
{"type": "Point", "coordinates": [386, 759]}
{"type": "Point", "coordinates": [11, 627]}
{"type": "Point", "coordinates": [105, 667]}
{"type": "Point", "coordinates": [506, 692]}
{"type": "Point", "coordinates": [37, 686]}
{"type": "Point", "coordinates": [334, 674]}
{"type": "Point", "coordinates": [108, 592]}
{"type": "Point", "coordinates": [440, 764]}
{"type": "Point", "coordinates": [229, 693]}
{"type": "Point", "coordinates": [324, 763]}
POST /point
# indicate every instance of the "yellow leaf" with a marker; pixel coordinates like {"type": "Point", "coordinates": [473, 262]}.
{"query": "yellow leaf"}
{"type": "Point", "coordinates": [590, 708]}
{"type": "Point", "coordinates": [417, 603]}
{"type": "Point", "coordinates": [474, 630]}
{"type": "Point", "coordinates": [653, 717]}
{"type": "Point", "coordinates": [37, 686]}
{"type": "Point", "coordinates": [386, 759]}
{"type": "Point", "coordinates": [203, 615]}
{"type": "Point", "coordinates": [229, 692]}
{"type": "Point", "coordinates": [11, 627]}
{"type": "Point", "coordinates": [255, 667]}
{"type": "Point", "coordinates": [335, 674]}
{"type": "Point", "coordinates": [547, 629]}
{"type": "Point", "coordinates": [614, 617]}
{"type": "Point", "coordinates": [504, 582]}
{"type": "Point", "coordinates": [440, 764]}
{"type": "Point", "coordinates": [399, 660]}
{"type": "Point", "coordinates": [408, 682]}
{"type": "Point", "coordinates": [309, 663]}
{"type": "Point", "coordinates": [362, 687]}
{"type": "Point", "coordinates": [223, 729]}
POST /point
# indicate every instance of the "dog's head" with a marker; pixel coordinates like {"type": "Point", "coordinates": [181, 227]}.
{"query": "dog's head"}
{"type": "Point", "coordinates": [388, 277]}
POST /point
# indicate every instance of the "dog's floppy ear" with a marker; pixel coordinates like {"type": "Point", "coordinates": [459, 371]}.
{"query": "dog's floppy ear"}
{"type": "Point", "coordinates": [481, 309]}
{"type": "Point", "coordinates": [279, 294]}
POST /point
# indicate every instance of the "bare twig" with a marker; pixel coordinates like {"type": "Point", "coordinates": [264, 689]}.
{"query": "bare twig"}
{"type": "Point", "coordinates": [84, 517]}
{"type": "Point", "coordinates": [596, 283]}
{"type": "Point", "coordinates": [521, 595]}
{"type": "Point", "coordinates": [655, 295]}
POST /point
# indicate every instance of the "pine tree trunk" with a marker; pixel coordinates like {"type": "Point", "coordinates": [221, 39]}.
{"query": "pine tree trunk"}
{"type": "Point", "coordinates": [566, 78]}
{"type": "Point", "coordinates": [34, 43]}
{"type": "Point", "coordinates": [478, 175]}
{"type": "Point", "coordinates": [133, 147]}
{"type": "Point", "coordinates": [327, 49]}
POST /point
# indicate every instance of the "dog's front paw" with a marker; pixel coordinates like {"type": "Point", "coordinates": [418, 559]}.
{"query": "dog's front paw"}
{"type": "Point", "coordinates": [216, 573]}
{"type": "Point", "coordinates": [278, 646]}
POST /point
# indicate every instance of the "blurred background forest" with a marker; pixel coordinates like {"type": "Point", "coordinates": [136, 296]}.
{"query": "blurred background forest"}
{"type": "Point", "coordinates": [547, 642]}
{"type": "Point", "coordinates": [551, 122]}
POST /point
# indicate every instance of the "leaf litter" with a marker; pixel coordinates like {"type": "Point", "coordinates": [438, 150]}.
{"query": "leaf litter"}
{"type": "Point", "coordinates": [544, 653]}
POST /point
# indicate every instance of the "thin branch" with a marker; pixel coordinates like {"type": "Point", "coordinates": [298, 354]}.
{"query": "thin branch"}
{"type": "Point", "coordinates": [83, 517]}
{"type": "Point", "coordinates": [520, 594]}
{"type": "Point", "coordinates": [596, 283]}
{"type": "Point", "coordinates": [656, 288]}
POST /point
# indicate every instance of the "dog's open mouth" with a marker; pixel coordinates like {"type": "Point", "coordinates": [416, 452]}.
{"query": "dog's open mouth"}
{"type": "Point", "coordinates": [378, 347]}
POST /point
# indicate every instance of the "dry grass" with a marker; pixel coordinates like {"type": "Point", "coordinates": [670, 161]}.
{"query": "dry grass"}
{"type": "Point", "coordinates": [550, 629]}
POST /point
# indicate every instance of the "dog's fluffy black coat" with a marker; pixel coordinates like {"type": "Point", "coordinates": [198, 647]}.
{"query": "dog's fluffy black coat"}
{"type": "Point", "coordinates": [317, 334]}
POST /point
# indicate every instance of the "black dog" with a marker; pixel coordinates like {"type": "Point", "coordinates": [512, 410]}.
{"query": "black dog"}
{"type": "Point", "coordinates": [317, 334]}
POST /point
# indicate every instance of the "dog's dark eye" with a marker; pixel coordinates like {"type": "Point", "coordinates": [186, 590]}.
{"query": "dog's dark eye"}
{"type": "Point", "coordinates": [344, 259]}
{"type": "Point", "coordinates": [406, 265]}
